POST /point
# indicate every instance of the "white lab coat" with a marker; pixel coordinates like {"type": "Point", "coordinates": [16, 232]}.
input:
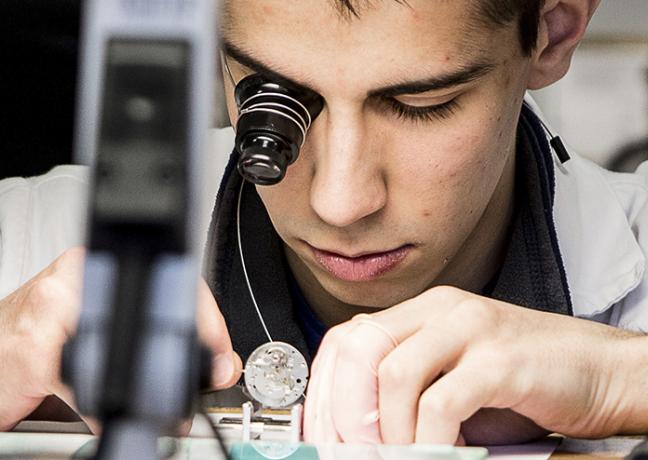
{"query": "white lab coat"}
{"type": "Point", "coordinates": [40, 217]}
{"type": "Point", "coordinates": [602, 227]}
{"type": "Point", "coordinates": [601, 223]}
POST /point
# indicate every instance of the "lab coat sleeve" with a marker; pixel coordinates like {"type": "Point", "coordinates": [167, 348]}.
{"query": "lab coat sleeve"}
{"type": "Point", "coordinates": [632, 191]}
{"type": "Point", "coordinates": [40, 217]}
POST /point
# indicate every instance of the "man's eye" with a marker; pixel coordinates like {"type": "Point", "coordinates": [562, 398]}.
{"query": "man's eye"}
{"type": "Point", "coordinates": [422, 113]}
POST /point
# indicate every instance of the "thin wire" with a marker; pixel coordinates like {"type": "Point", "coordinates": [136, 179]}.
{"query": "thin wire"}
{"type": "Point", "coordinates": [274, 104]}
{"type": "Point", "coordinates": [285, 96]}
{"type": "Point", "coordinates": [293, 100]}
{"type": "Point", "coordinates": [227, 68]}
{"type": "Point", "coordinates": [544, 125]}
{"type": "Point", "coordinates": [245, 273]}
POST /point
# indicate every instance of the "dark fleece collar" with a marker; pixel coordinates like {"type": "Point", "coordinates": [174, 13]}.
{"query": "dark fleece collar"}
{"type": "Point", "coordinates": [532, 274]}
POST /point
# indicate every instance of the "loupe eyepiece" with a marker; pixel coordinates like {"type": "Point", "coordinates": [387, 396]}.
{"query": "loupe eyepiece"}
{"type": "Point", "coordinates": [272, 125]}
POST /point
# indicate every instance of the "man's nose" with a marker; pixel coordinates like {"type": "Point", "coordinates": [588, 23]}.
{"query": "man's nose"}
{"type": "Point", "coordinates": [348, 183]}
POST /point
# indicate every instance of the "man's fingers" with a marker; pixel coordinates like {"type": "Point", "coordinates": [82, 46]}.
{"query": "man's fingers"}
{"type": "Point", "coordinates": [210, 322]}
{"type": "Point", "coordinates": [318, 418]}
{"type": "Point", "coordinates": [319, 426]}
{"type": "Point", "coordinates": [404, 374]}
{"type": "Point", "coordinates": [68, 269]}
{"type": "Point", "coordinates": [404, 320]}
{"type": "Point", "coordinates": [221, 371]}
{"type": "Point", "coordinates": [450, 401]}
{"type": "Point", "coordinates": [355, 399]}
{"type": "Point", "coordinates": [55, 292]}
{"type": "Point", "coordinates": [70, 264]}
{"type": "Point", "coordinates": [227, 366]}
{"type": "Point", "coordinates": [184, 428]}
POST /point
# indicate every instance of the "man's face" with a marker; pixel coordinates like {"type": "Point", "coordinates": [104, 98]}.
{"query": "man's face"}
{"type": "Point", "coordinates": [402, 183]}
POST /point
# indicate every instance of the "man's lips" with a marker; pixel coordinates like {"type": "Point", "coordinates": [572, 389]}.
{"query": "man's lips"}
{"type": "Point", "coordinates": [364, 267]}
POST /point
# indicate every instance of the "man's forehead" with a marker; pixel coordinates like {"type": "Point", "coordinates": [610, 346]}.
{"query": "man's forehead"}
{"type": "Point", "coordinates": [310, 40]}
{"type": "Point", "coordinates": [451, 21]}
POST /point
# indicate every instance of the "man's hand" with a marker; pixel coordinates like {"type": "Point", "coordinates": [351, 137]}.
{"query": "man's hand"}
{"type": "Point", "coordinates": [416, 372]}
{"type": "Point", "coordinates": [39, 317]}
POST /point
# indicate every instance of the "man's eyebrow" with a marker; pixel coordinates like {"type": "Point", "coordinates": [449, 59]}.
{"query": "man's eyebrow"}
{"type": "Point", "coordinates": [248, 61]}
{"type": "Point", "coordinates": [465, 74]}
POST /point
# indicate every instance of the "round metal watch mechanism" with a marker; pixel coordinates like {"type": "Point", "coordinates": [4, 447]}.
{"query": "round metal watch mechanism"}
{"type": "Point", "coordinates": [276, 374]}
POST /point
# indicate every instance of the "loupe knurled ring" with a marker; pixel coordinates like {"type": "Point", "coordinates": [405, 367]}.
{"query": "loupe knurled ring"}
{"type": "Point", "coordinates": [276, 104]}
{"type": "Point", "coordinates": [277, 112]}
{"type": "Point", "coordinates": [285, 97]}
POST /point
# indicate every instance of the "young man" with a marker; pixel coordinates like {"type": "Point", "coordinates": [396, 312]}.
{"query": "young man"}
{"type": "Point", "coordinates": [423, 171]}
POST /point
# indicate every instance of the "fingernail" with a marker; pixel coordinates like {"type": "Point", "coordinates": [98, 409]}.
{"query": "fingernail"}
{"type": "Point", "coordinates": [223, 369]}
{"type": "Point", "coordinates": [371, 418]}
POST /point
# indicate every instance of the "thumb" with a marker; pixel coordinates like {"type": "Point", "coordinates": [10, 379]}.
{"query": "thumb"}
{"type": "Point", "coordinates": [212, 330]}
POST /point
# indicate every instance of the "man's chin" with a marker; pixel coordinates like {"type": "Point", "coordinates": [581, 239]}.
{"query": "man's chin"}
{"type": "Point", "coordinates": [369, 294]}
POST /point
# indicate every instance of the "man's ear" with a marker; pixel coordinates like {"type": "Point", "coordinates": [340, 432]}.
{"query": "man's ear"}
{"type": "Point", "coordinates": [561, 27]}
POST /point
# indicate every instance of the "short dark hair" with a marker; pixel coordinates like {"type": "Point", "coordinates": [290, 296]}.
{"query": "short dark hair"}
{"type": "Point", "coordinates": [494, 12]}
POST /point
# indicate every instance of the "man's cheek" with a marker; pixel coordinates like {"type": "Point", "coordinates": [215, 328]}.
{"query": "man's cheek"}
{"type": "Point", "coordinates": [287, 209]}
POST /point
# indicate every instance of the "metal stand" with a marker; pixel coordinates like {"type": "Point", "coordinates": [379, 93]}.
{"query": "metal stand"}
{"type": "Point", "coordinates": [261, 424]}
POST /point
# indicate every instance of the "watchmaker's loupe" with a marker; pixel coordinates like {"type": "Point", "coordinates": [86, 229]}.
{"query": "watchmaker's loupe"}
{"type": "Point", "coordinates": [272, 125]}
